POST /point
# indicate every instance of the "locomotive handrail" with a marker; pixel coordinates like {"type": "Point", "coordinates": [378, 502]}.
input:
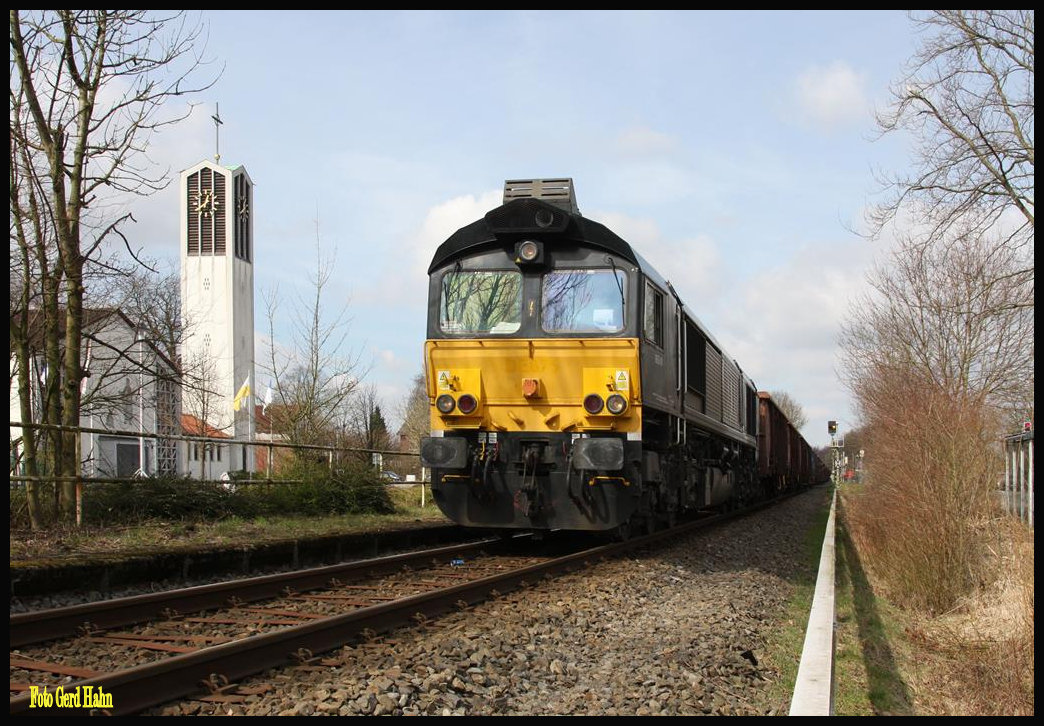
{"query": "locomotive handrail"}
{"type": "Point", "coordinates": [814, 688]}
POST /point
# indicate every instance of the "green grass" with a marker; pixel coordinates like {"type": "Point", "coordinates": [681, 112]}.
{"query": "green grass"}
{"type": "Point", "coordinates": [867, 680]}
{"type": "Point", "coordinates": [868, 677]}
{"type": "Point", "coordinates": [783, 647]}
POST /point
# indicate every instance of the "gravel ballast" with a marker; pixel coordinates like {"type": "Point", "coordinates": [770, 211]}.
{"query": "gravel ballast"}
{"type": "Point", "coordinates": [679, 630]}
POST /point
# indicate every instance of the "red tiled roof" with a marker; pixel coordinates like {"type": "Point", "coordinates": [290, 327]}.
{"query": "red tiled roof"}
{"type": "Point", "coordinates": [192, 426]}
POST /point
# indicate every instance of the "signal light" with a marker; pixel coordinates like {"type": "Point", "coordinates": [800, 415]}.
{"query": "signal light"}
{"type": "Point", "coordinates": [593, 404]}
{"type": "Point", "coordinates": [616, 404]}
{"type": "Point", "coordinates": [467, 404]}
{"type": "Point", "coordinates": [445, 403]}
{"type": "Point", "coordinates": [832, 427]}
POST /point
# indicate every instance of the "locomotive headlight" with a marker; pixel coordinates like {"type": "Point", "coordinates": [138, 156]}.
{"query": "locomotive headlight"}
{"type": "Point", "coordinates": [529, 252]}
{"type": "Point", "coordinates": [593, 404]}
{"type": "Point", "coordinates": [467, 404]}
{"type": "Point", "coordinates": [445, 403]}
{"type": "Point", "coordinates": [616, 404]}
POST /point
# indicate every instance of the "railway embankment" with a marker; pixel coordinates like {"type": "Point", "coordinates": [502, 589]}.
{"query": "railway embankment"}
{"type": "Point", "coordinates": [92, 574]}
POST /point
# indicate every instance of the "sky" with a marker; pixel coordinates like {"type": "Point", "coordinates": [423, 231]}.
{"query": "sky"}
{"type": "Point", "coordinates": [735, 150]}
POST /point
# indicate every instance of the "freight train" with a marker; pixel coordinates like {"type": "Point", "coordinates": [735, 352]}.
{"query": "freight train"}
{"type": "Point", "coordinates": [571, 388]}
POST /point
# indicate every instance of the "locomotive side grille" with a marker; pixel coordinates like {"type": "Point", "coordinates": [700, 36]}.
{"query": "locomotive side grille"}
{"type": "Point", "coordinates": [713, 382]}
{"type": "Point", "coordinates": [730, 394]}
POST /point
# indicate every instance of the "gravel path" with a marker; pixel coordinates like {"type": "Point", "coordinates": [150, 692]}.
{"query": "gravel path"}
{"type": "Point", "coordinates": [678, 631]}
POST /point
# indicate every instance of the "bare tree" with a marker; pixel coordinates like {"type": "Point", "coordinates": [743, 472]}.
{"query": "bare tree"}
{"type": "Point", "coordinates": [945, 337]}
{"type": "Point", "coordinates": [790, 408]}
{"type": "Point", "coordinates": [86, 89]}
{"type": "Point", "coordinates": [200, 397]}
{"type": "Point", "coordinates": [366, 420]}
{"type": "Point", "coordinates": [968, 100]}
{"type": "Point", "coordinates": [153, 301]}
{"type": "Point", "coordinates": [315, 374]}
{"type": "Point", "coordinates": [949, 317]}
{"type": "Point", "coordinates": [34, 298]}
{"type": "Point", "coordinates": [415, 411]}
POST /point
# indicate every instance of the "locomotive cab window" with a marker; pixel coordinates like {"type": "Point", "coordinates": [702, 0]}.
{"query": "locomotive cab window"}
{"type": "Point", "coordinates": [653, 315]}
{"type": "Point", "coordinates": [584, 301]}
{"type": "Point", "coordinates": [481, 302]}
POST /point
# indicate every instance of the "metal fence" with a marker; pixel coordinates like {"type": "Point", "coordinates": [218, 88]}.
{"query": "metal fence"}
{"type": "Point", "coordinates": [1018, 476]}
{"type": "Point", "coordinates": [330, 453]}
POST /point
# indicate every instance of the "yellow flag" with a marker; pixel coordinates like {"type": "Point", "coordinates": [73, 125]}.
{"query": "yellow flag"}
{"type": "Point", "coordinates": [244, 392]}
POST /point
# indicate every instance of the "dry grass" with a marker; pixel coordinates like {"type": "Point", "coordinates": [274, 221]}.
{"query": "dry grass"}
{"type": "Point", "coordinates": [977, 657]}
{"type": "Point", "coordinates": [983, 650]}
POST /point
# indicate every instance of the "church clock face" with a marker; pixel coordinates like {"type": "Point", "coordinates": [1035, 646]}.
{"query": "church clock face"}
{"type": "Point", "coordinates": [243, 209]}
{"type": "Point", "coordinates": [205, 203]}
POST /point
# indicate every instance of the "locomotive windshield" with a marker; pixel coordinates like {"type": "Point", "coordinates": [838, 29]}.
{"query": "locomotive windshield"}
{"type": "Point", "coordinates": [584, 301]}
{"type": "Point", "coordinates": [481, 302]}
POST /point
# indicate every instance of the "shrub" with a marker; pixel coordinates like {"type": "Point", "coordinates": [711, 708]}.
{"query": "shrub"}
{"type": "Point", "coordinates": [309, 489]}
{"type": "Point", "coordinates": [924, 518]}
{"type": "Point", "coordinates": [165, 497]}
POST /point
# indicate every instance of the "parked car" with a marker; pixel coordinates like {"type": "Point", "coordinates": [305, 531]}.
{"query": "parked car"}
{"type": "Point", "coordinates": [391, 476]}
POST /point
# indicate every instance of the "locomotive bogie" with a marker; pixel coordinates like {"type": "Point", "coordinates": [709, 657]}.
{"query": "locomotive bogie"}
{"type": "Point", "coordinates": [536, 480]}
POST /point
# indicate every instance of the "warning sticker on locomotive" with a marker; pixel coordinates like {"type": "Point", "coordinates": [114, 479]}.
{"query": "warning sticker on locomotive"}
{"type": "Point", "coordinates": [444, 381]}
{"type": "Point", "coordinates": [622, 381]}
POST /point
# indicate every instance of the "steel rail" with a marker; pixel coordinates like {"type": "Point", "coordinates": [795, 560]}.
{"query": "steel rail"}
{"type": "Point", "coordinates": [138, 688]}
{"type": "Point", "coordinates": [42, 625]}
{"type": "Point", "coordinates": [141, 687]}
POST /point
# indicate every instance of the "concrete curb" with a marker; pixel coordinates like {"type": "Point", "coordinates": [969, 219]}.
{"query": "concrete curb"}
{"type": "Point", "coordinates": [814, 689]}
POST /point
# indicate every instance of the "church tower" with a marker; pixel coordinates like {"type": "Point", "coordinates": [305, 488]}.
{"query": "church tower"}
{"type": "Point", "coordinates": [217, 304]}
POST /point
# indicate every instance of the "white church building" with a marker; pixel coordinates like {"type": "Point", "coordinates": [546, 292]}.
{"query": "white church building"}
{"type": "Point", "coordinates": [133, 393]}
{"type": "Point", "coordinates": [217, 311]}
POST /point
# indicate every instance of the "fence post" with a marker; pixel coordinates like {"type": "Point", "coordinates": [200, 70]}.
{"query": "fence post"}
{"type": "Point", "coordinates": [1018, 476]}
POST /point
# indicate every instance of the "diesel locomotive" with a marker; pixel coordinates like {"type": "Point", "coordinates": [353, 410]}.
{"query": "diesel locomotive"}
{"type": "Point", "coordinates": [571, 388]}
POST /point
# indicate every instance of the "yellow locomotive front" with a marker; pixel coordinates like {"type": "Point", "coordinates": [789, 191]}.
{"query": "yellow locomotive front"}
{"type": "Point", "coordinates": [533, 369]}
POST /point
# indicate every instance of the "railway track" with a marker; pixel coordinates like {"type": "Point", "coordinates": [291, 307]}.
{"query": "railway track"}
{"type": "Point", "coordinates": [162, 646]}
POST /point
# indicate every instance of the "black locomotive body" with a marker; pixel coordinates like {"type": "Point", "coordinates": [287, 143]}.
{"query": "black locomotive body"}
{"type": "Point", "coordinates": [571, 388]}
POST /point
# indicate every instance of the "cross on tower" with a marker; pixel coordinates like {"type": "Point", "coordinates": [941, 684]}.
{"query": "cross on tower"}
{"type": "Point", "coordinates": [217, 132]}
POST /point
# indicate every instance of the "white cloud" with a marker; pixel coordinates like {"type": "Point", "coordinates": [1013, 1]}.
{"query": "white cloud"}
{"type": "Point", "coordinates": [691, 264]}
{"type": "Point", "coordinates": [446, 218]}
{"type": "Point", "coordinates": [782, 328]}
{"type": "Point", "coordinates": [832, 95]}
{"type": "Point", "coordinates": [404, 281]}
